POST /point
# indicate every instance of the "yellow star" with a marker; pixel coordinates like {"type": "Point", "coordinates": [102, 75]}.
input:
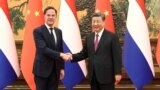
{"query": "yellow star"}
{"type": "Point", "coordinates": [106, 12]}
{"type": "Point", "coordinates": [36, 13]}
{"type": "Point", "coordinates": [28, 12]}
{"type": "Point", "coordinates": [97, 11]}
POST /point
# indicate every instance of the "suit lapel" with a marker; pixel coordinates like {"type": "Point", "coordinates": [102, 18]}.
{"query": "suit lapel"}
{"type": "Point", "coordinates": [57, 35]}
{"type": "Point", "coordinates": [101, 40]}
{"type": "Point", "coordinates": [92, 42]}
{"type": "Point", "coordinates": [47, 34]}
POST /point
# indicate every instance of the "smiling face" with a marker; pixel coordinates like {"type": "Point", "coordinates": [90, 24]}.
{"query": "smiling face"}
{"type": "Point", "coordinates": [50, 17]}
{"type": "Point", "coordinates": [97, 24]}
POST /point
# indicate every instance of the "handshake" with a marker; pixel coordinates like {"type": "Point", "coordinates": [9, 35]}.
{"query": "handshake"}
{"type": "Point", "coordinates": [66, 56]}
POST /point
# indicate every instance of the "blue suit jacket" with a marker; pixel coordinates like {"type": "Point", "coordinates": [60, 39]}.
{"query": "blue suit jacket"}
{"type": "Point", "coordinates": [47, 56]}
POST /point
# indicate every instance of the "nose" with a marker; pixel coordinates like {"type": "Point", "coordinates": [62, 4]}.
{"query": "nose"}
{"type": "Point", "coordinates": [95, 23]}
{"type": "Point", "coordinates": [50, 16]}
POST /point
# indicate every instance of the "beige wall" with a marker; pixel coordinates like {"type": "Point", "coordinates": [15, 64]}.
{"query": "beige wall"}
{"type": "Point", "coordinates": [55, 3]}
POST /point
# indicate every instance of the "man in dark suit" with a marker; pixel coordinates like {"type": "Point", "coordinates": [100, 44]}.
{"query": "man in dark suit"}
{"type": "Point", "coordinates": [48, 65]}
{"type": "Point", "coordinates": [103, 51]}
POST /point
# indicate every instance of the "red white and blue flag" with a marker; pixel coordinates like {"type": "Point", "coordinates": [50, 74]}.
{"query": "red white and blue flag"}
{"type": "Point", "coordinates": [74, 72]}
{"type": "Point", "coordinates": [137, 55]}
{"type": "Point", "coordinates": [9, 67]}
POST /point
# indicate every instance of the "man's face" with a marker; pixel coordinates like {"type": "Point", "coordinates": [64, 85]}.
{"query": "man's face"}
{"type": "Point", "coordinates": [50, 17]}
{"type": "Point", "coordinates": [97, 24]}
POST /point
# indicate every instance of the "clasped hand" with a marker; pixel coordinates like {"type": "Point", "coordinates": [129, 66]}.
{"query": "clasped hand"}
{"type": "Point", "coordinates": [66, 56]}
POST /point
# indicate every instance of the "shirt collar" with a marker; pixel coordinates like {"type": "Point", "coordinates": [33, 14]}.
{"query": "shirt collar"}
{"type": "Point", "coordinates": [100, 33]}
{"type": "Point", "coordinates": [48, 26]}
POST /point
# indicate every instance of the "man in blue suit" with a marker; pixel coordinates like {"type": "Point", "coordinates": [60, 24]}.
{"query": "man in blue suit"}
{"type": "Point", "coordinates": [48, 65]}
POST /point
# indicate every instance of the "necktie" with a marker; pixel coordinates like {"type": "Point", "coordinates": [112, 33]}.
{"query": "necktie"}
{"type": "Point", "coordinates": [96, 42]}
{"type": "Point", "coordinates": [51, 32]}
{"type": "Point", "coordinates": [52, 36]}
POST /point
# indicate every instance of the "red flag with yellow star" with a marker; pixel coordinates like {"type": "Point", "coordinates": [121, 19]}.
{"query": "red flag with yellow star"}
{"type": "Point", "coordinates": [158, 50]}
{"type": "Point", "coordinates": [34, 19]}
{"type": "Point", "coordinates": [104, 6]}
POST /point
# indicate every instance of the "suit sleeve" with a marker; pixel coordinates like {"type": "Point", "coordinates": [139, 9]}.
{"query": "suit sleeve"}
{"type": "Point", "coordinates": [61, 43]}
{"type": "Point", "coordinates": [41, 45]}
{"type": "Point", "coordinates": [81, 55]}
{"type": "Point", "coordinates": [117, 55]}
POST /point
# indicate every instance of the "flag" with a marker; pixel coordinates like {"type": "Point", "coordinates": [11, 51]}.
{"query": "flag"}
{"type": "Point", "coordinates": [141, 3]}
{"type": "Point", "coordinates": [137, 55]}
{"type": "Point", "coordinates": [74, 72]}
{"type": "Point", "coordinates": [158, 50]}
{"type": "Point", "coordinates": [104, 6]}
{"type": "Point", "coordinates": [34, 19]}
{"type": "Point", "coordinates": [9, 66]}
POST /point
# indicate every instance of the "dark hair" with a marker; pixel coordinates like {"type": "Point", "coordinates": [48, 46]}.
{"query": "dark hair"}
{"type": "Point", "coordinates": [49, 7]}
{"type": "Point", "coordinates": [98, 14]}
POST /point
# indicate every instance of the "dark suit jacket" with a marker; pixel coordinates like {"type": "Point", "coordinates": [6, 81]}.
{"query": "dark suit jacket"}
{"type": "Point", "coordinates": [47, 56]}
{"type": "Point", "coordinates": [105, 61]}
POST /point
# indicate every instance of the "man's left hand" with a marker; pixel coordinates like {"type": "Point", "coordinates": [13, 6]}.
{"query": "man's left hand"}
{"type": "Point", "coordinates": [61, 74]}
{"type": "Point", "coordinates": [117, 79]}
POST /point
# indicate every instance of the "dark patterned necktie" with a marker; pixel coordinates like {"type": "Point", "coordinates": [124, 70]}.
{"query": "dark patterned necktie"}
{"type": "Point", "coordinates": [52, 36]}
